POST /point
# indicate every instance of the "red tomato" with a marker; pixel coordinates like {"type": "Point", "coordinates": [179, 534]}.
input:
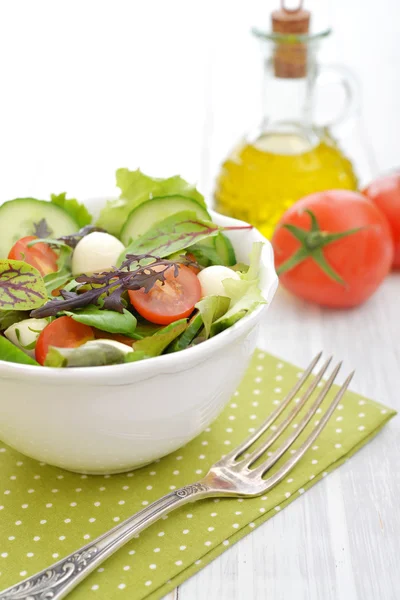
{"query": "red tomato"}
{"type": "Point", "coordinates": [385, 193]}
{"type": "Point", "coordinates": [40, 256]}
{"type": "Point", "coordinates": [361, 260]}
{"type": "Point", "coordinates": [168, 302]}
{"type": "Point", "coordinates": [63, 332]}
{"type": "Point", "coordinates": [118, 337]}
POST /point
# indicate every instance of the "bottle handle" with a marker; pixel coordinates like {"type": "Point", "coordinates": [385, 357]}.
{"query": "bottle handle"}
{"type": "Point", "coordinates": [329, 75]}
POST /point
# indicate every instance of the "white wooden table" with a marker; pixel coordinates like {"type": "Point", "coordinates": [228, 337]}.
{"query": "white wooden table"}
{"type": "Point", "coordinates": [88, 87]}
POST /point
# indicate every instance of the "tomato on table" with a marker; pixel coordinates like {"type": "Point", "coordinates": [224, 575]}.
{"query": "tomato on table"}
{"type": "Point", "coordinates": [63, 332]}
{"type": "Point", "coordinates": [333, 248]}
{"type": "Point", "coordinates": [40, 255]}
{"type": "Point", "coordinates": [385, 193]}
{"type": "Point", "coordinates": [168, 301]}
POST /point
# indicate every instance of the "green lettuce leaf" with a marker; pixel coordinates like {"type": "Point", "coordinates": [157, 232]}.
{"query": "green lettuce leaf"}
{"type": "Point", "coordinates": [246, 297]}
{"type": "Point", "coordinates": [57, 280]}
{"type": "Point", "coordinates": [10, 353]}
{"type": "Point", "coordinates": [156, 344]}
{"type": "Point", "coordinates": [92, 354]}
{"type": "Point", "coordinates": [78, 211]}
{"type": "Point", "coordinates": [145, 328]}
{"type": "Point", "coordinates": [21, 286]}
{"type": "Point", "coordinates": [244, 293]}
{"type": "Point", "coordinates": [9, 317]}
{"type": "Point", "coordinates": [106, 320]}
{"type": "Point", "coordinates": [253, 271]}
{"type": "Point", "coordinates": [211, 309]}
{"type": "Point", "coordinates": [63, 275]}
{"type": "Point", "coordinates": [175, 233]}
{"type": "Point", "coordinates": [136, 187]}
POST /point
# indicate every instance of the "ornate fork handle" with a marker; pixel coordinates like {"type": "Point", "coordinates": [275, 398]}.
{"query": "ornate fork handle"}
{"type": "Point", "coordinates": [59, 579]}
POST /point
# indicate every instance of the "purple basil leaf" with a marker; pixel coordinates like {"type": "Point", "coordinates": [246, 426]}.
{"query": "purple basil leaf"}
{"type": "Point", "coordinates": [73, 239]}
{"type": "Point", "coordinates": [41, 229]}
{"type": "Point", "coordinates": [111, 285]}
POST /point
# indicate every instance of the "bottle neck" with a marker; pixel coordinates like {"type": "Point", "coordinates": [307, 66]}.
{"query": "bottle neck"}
{"type": "Point", "coordinates": [288, 102]}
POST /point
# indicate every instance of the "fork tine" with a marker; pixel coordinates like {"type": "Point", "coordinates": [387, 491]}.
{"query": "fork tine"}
{"type": "Point", "coordinates": [288, 466]}
{"type": "Point", "coordinates": [254, 437]}
{"type": "Point", "coordinates": [259, 471]}
{"type": "Point", "coordinates": [291, 416]}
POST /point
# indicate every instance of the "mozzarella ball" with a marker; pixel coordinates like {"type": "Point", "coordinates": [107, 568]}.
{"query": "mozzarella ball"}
{"type": "Point", "coordinates": [96, 252]}
{"type": "Point", "coordinates": [119, 345]}
{"type": "Point", "coordinates": [211, 279]}
{"type": "Point", "coordinates": [25, 333]}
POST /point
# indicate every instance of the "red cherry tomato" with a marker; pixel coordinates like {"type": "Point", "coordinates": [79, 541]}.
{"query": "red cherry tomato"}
{"type": "Point", "coordinates": [168, 302]}
{"type": "Point", "coordinates": [357, 262]}
{"type": "Point", "coordinates": [385, 193]}
{"type": "Point", "coordinates": [40, 255]}
{"type": "Point", "coordinates": [63, 332]}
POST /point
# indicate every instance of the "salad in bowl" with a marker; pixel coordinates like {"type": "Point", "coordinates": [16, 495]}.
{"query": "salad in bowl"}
{"type": "Point", "coordinates": [152, 275]}
{"type": "Point", "coordinates": [126, 324]}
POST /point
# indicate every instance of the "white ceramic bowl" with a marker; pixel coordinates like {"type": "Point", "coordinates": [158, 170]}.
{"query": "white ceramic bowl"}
{"type": "Point", "coordinates": [116, 418]}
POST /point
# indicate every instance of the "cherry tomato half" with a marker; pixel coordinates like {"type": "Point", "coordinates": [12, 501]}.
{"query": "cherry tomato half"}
{"type": "Point", "coordinates": [40, 255]}
{"type": "Point", "coordinates": [385, 193]}
{"type": "Point", "coordinates": [170, 301]}
{"type": "Point", "coordinates": [63, 332]}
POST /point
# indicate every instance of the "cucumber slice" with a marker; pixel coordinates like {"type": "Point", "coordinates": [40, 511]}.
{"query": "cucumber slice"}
{"type": "Point", "coordinates": [217, 250]}
{"type": "Point", "coordinates": [147, 214]}
{"type": "Point", "coordinates": [192, 329]}
{"type": "Point", "coordinates": [17, 219]}
{"type": "Point", "coordinates": [225, 250]}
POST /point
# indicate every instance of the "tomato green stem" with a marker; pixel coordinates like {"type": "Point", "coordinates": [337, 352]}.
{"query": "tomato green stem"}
{"type": "Point", "coordinates": [312, 243]}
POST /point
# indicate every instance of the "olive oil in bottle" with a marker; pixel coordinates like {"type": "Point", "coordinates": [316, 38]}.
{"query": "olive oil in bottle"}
{"type": "Point", "coordinates": [289, 156]}
{"type": "Point", "coordinates": [262, 179]}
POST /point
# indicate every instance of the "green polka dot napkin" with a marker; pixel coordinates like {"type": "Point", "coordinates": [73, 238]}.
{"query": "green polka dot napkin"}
{"type": "Point", "coordinates": [46, 513]}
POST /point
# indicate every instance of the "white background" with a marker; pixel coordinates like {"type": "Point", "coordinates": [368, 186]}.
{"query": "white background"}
{"type": "Point", "coordinates": [89, 86]}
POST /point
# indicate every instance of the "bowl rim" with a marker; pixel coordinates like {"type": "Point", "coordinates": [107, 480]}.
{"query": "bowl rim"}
{"type": "Point", "coordinates": [126, 373]}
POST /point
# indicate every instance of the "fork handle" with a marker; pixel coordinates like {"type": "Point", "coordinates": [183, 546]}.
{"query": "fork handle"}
{"type": "Point", "coordinates": [59, 579]}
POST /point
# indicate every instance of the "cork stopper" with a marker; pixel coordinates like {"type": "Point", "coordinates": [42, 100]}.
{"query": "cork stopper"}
{"type": "Point", "coordinates": [290, 59]}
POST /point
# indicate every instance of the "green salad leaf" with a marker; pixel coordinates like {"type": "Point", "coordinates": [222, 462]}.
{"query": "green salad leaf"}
{"type": "Point", "coordinates": [136, 187]}
{"type": "Point", "coordinates": [145, 328]}
{"type": "Point", "coordinates": [106, 320]}
{"type": "Point", "coordinates": [63, 274]}
{"type": "Point", "coordinates": [155, 344]}
{"type": "Point", "coordinates": [9, 317]}
{"type": "Point", "coordinates": [10, 353]}
{"type": "Point", "coordinates": [91, 354]}
{"type": "Point", "coordinates": [175, 233]}
{"type": "Point", "coordinates": [57, 280]}
{"type": "Point", "coordinates": [75, 209]}
{"type": "Point", "coordinates": [21, 286]}
{"type": "Point", "coordinates": [211, 309]}
{"type": "Point", "coordinates": [246, 297]}
{"type": "Point", "coordinates": [245, 293]}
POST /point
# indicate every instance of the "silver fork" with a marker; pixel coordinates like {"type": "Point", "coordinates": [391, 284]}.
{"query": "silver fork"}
{"type": "Point", "coordinates": [233, 475]}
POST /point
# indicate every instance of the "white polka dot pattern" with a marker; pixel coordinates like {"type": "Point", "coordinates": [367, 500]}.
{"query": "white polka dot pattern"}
{"type": "Point", "coordinates": [46, 515]}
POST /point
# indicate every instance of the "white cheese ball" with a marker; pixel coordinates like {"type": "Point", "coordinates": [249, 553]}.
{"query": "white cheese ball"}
{"type": "Point", "coordinates": [119, 345]}
{"type": "Point", "coordinates": [25, 333]}
{"type": "Point", "coordinates": [211, 279]}
{"type": "Point", "coordinates": [96, 252]}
